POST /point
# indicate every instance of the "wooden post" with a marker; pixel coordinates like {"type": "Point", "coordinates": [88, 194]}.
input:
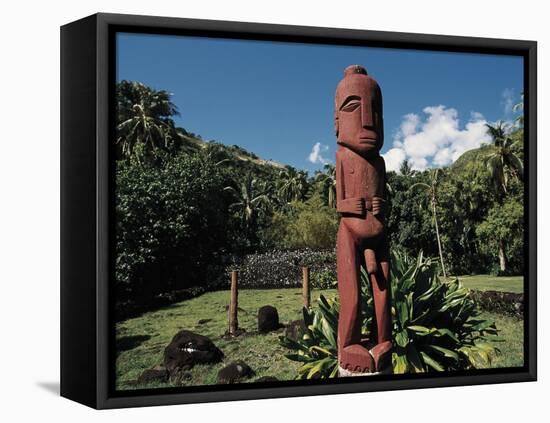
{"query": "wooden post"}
{"type": "Point", "coordinates": [305, 286]}
{"type": "Point", "coordinates": [233, 305]}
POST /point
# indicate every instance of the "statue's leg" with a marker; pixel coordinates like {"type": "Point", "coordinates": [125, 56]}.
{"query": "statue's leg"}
{"type": "Point", "coordinates": [382, 320]}
{"type": "Point", "coordinates": [352, 355]}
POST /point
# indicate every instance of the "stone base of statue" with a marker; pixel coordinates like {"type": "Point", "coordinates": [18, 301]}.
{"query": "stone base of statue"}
{"type": "Point", "coordinates": [347, 373]}
{"type": "Point", "coordinates": [366, 359]}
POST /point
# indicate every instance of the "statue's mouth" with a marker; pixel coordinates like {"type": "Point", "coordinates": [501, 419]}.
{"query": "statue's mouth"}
{"type": "Point", "coordinates": [369, 141]}
{"type": "Point", "coordinates": [367, 136]}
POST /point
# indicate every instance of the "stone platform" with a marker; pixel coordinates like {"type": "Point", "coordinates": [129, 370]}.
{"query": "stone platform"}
{"type": "Point", "coordinates": [346, 373]}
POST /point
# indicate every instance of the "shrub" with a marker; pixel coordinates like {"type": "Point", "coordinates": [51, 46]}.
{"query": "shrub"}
{"type": "Point", "coordinates": [310, 224]}
{"type": "Point", "coordinates": [317, 350]}
{"type": "Point", "coordinates": [436, 325]}
{"type": "Point", "coordinates": [324, 278]}
{"type": "Point", "coordinates": [499, 302]}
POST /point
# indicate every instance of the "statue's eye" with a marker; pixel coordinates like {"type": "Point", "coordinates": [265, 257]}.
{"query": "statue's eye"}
{"type": "Point", "coordinates": [351, 105]}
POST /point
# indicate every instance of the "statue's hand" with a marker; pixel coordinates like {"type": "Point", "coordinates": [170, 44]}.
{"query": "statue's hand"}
{"type": "Point", "coordinates": [378, 206]}
{"type": "Point", "coordinates": [354, 205]}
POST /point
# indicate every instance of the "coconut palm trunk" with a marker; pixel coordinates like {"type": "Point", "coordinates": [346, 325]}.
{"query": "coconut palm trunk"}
{"type": "Point", "coordinates": [431, 198]}
{"type": "Point", "coordinates": [438, 239]}
{"type": "Point", "coordinates": [502, 255]}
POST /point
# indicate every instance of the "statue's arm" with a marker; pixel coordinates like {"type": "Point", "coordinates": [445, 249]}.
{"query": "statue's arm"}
{"type": "Point", "coordinates": [379, 200]}
{"type": "Point", "coordinates": [354, 205]}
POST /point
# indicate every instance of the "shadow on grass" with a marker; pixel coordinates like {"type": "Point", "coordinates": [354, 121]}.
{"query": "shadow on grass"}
{"type": "Point", "coordinates": [130, 342]}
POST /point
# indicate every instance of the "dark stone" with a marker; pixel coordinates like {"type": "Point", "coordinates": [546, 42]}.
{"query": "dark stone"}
{"type": "Point", "coordinates": [203, 321]}
{"type": "Point", "coordinates": [234, 372]}
{"type": "Point", "coordinates": [268, 319]}
{"type": "Point", "coordinates": [156, 374]}
{"type": "Point", "coordinates": [267, 379]}
{"type": "Point", "coordinates": [295, 330]}
{"type": "Point", "coordinates": [187, 349]}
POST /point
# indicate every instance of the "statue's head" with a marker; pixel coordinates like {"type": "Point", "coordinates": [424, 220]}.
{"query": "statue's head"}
{"type": "Point", "coordinates": [358, 112]}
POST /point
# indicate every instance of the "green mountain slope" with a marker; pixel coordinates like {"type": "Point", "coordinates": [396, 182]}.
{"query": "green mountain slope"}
{"type": "Point", "coordinates": [193, 144]}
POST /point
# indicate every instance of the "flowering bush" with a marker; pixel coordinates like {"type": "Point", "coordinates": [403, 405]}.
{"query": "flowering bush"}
{"type": "Point", "coordinates": [283, 269]}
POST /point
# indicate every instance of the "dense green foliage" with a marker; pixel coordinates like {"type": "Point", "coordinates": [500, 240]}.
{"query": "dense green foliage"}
{"type": "Point", "coordinates": [303, 224]}
{"type": "Point", "coordinates": [503, 228]}
{"type": "Point", "coordinates": [160, 212]}
{"type": "Point", "coordinates": [436, 325]}
{"type": "Point", "coordinates": [467, 201]}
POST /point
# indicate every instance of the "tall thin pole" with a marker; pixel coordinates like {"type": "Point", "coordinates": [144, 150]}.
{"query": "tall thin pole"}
{"type": "Point", "coordinates": [305, 286]}
{"type": "Point", "coordinates": [438, 240]}
{"type": "Point", "coordinates": [233, 304]}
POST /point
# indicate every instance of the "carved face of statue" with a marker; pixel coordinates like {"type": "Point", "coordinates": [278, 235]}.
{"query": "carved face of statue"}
{"type": "Point", "coordinates": [358, 114]}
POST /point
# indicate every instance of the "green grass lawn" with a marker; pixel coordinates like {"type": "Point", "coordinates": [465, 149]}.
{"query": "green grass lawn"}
{"type": "Point", "coordinates": [141, 340]}
{"type": "Point", "coordinates": [493, 283]}
{"type": "Point", "coordinates": [511, 330]}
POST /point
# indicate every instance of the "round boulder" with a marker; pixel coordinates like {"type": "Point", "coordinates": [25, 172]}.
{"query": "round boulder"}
{"type": "Point", "coordinates": [187, 349]}
{"type": "Point", "coordinates": [295, 330]}
{"type": "Point", "coordinates": [156, 374]}
{"type": "Point", "coordinates": [234, 372]}
{"type": "Point", "coordinates": [268, 319]}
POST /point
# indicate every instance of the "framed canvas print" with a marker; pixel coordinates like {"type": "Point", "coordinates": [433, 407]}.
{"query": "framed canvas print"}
{"type": "Point", "coordinates": [256, 211]}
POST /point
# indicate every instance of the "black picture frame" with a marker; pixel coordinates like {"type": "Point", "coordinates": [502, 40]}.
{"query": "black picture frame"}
{"type": "Point", "coordinates": [87, 91]}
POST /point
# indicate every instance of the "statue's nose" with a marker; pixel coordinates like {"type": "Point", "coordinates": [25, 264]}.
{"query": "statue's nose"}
{"type": "Point", "coordinates": [366, 114]}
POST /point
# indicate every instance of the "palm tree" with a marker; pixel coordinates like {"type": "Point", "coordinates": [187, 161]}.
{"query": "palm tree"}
{"type": "Point", "coordinates": [144, 119]}
{"type": "Point", "coordinates": [327, 180]}
{"type": "Point", "coordinates": [502, 159]}
{"type": "Point", "coordinates": [430, 190]}
{"type": "Point", "coordinates": [293, 184]}
{"type": "Point", "coordinates": [251, 199]}
{"type": "Point", "coordinates": [519, 108]}
{"type": "Point", "coordinates": [405, 168]}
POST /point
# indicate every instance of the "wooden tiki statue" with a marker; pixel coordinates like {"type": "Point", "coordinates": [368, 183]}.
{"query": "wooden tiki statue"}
{"type": "Point", "coordinates": [361, 241]}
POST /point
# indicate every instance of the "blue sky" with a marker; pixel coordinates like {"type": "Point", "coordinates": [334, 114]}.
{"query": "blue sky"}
{"type": "Point", "coordinates": [276, 99]}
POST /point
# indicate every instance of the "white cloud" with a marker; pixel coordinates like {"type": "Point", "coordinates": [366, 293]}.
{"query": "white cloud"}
{"type": "Point", "coordinates": [435, 138]}
{"type": "Point", "coordinates": [316, 155]}
{"type": "Point", "coordinates": [474, 116]}
{"type": "Point", "coordinates": [393, 158]}
{"type": "Point", "coordinates": [409, 124]}
{"type": "Point", "coordinates": [507, 100]}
